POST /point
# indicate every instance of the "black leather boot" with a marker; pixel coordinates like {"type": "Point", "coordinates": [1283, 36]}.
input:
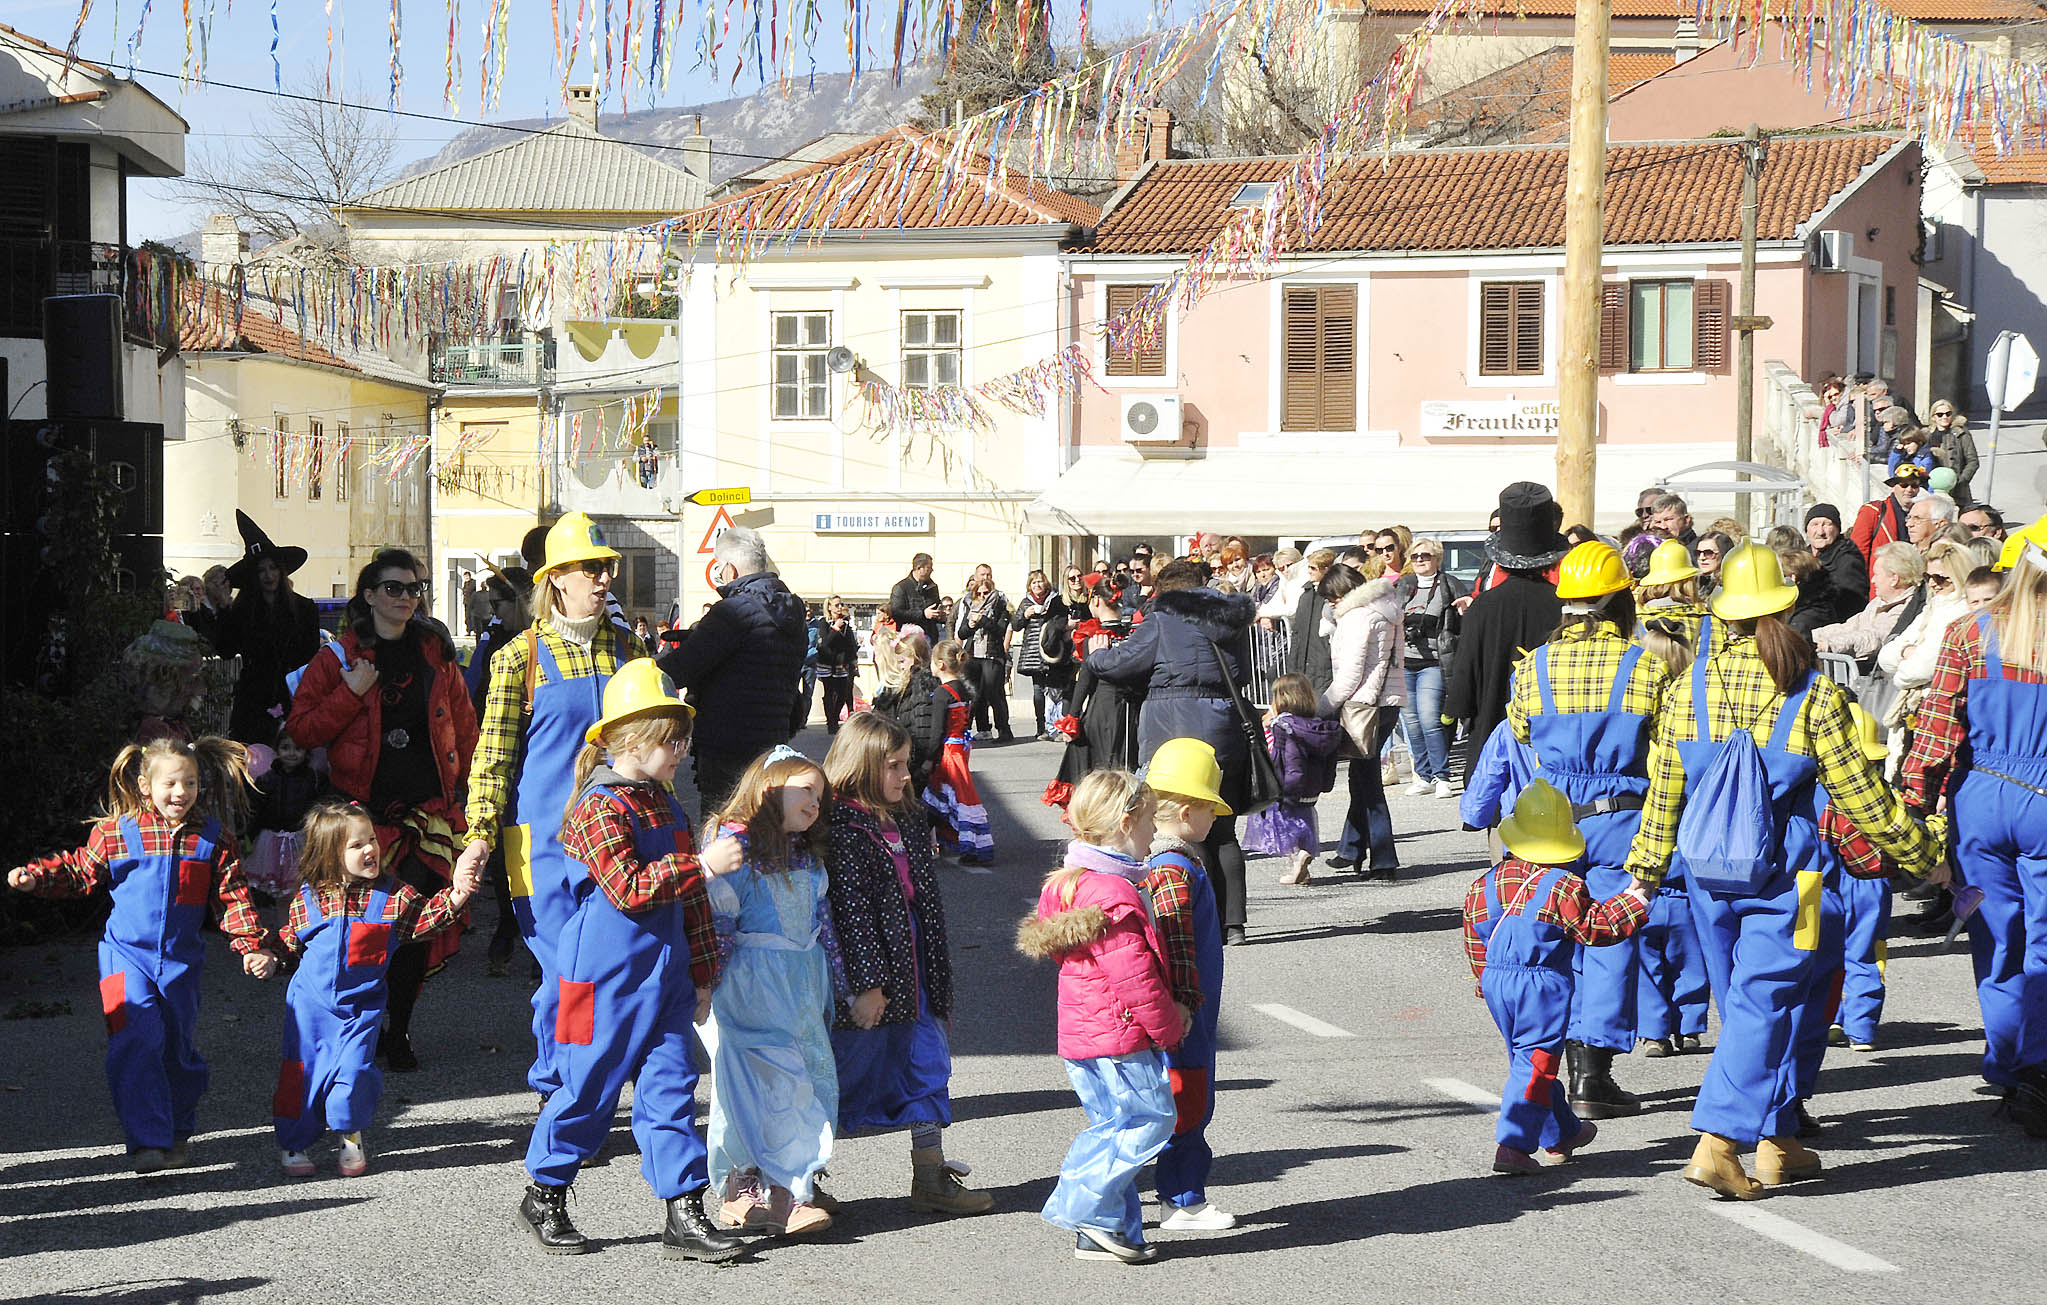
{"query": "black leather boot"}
{"type": "Point", "coordinates": [1808, 1126]}
{"type": "Point", "coordinates": [689, 1233]}
{"type": "Point", "coordinates": [544, 1214]}
{"type": "Point", "coordinates": [1591, 1089]}
{"type": "Point", "coordinates": [2028, 1103]}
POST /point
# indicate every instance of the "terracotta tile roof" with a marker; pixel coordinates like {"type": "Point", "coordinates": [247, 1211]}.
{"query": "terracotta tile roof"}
{"type": "Point", "coordinates": [1529, 100]}
{"type": "Point", "coordinates": [1501, 197]}
{"type": "Point", "coordinates": [212, 331]}
{"type": "Point", "coordinates": [1927, 11]}
{"type": "Point", "coordinates": [2023, 164]}
{"type": "Point", "coordinates": [885, 190]}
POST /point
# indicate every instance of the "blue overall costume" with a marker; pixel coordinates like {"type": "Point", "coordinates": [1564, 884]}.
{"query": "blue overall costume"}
{"type": "Point", "coordinates": [1760, 946]}
{"type": "Point", "coordinates": [2000, 824]}
{"type": "Point", "coordinates": [329, 1076]}
{"type": "Point", "coordinates": [535, 865]}
{"type": "Point", "coordinates": [1671, 994]}
{"type": "Point", "coordinates": [1600, 761]}
{"type": "Point", "coordinates": [1183, 1166]}
{"type": "Point", "coordinates": [1823, 989]}
{"type": "Point", "coordinates": [151, 955]}
{"type": "Point", "coordinates": [625, 1015]}
{"type": "Point", "coordinates": [1867, 905]}
{"type": "Point", "coordinates": [1527, 986]}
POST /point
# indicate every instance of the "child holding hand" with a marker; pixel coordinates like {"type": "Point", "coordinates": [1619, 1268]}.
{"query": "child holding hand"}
{"type": "Point", "coordinates": [1117, 1017]}
{"type": "Point", "coordinates": [1186, 781]}
{"type": "Point", "coordinates": [347, 920]}
{"type": "Point", "coordinates": [1304, 747]}
{"type": "Point", "coordinates": [636, 962]}
{"type": "Point", "coordinates": [1523, 921]}
{"type": "Point", "coordinates": [165, 851]}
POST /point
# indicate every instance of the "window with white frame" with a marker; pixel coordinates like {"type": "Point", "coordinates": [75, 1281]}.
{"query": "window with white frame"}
{"type": "Point", "coordinates": [1660, 326]}
{"type": "Point", "coordinates": [931, 349]}
{"type": "Point", "coordinates": [801, 385]}
{"type": "Point", "coordinates": [280, 451]}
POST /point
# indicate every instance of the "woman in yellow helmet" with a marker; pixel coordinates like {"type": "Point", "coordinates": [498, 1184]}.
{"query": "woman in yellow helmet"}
{"type": "Point", "coordinates": [1759, 698]}
{"type": "Point", "coordinates": [1586, 702]}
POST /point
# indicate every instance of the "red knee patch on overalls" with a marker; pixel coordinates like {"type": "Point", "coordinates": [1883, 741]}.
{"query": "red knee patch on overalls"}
{"type": "Point", "coordinates": [1543, 1078]}
{"type": "Point", "coordinates": [573, 1019]}
{"type": "Point", "coordinates": [1190, 1098]}
{"type": "Point", "coordinates": [289, 1101]}
{"type": "Point", "coordinates": [368, 942]}
{"type": "Point", "coordinates": [114, 1000]}
{"type": "Point", "coordinates": [194, 878]}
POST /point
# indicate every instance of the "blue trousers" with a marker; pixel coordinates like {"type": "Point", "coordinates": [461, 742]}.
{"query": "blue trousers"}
{"type": "Point", "coordinates": [1421, 720]}
{"type": "Point", "coordinates": [1760, 973]}
{"type": "Point", "coordinates": [1130, 1116]}
{"type": "Point", "coordinates": [1822, 993]}
{"type": "Point", "coordinates": [1671, 993]}
{"type": "Point", "coordinates": [154, 1069]}
{"type": "Point", "coordinates": [2001, 848]}
{"type": "Point", "coordinates": [1603, 996]}
{"type": "Point", "coordinates": [1867, 903]}
{"type": "Point", "coordinates": [646, 1042]}
{"type": "Point", "coordinates": [1531, 1006]}
{"type": "Point", "coordinates": [1368, 822]}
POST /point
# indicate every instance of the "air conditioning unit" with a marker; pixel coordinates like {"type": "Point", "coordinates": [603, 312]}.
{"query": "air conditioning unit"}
{"type": "Point", "coordinates": [1831, 250]}
{"type": "Point", "coordinates": [1151, 419]}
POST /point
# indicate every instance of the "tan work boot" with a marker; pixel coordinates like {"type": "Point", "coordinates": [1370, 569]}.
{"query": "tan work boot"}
{"type": "Point", "coordinates": [1784, 1160]}
{"type": "Point", "coordinates": [1717, 1165]}
{"type": "Point", "coordinates": [934, 1189]}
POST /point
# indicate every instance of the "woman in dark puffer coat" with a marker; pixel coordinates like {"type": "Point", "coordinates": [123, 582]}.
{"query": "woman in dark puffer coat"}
{"type": "Point", "coordinates": [1172, 656]}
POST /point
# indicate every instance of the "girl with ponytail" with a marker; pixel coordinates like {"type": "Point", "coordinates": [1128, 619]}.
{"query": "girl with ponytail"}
{"type": "Point", "coordinates": [165, 849]}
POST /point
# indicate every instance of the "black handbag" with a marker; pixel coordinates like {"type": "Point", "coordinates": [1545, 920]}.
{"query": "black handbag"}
{"type": "Point", "coordinates": [1262, 780]}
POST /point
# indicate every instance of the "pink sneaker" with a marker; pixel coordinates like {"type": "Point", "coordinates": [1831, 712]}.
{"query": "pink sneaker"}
{"type": "Point", "coordinates": [1506, 1160]}
{"type": "Point", "coordinates": [297, 1164]}
{"type": "Point", "coordinates": [355, 1157]}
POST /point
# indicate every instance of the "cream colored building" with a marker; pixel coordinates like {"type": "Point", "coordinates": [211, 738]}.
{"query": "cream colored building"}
{"type": "Point", "coordinates": [918, 296]}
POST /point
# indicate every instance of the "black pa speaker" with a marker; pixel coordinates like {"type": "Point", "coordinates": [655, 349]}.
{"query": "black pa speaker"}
{"type": "Point", "coordinates": [82, 345]}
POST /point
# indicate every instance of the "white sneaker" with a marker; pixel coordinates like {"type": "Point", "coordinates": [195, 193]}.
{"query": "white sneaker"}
{"type": "Point", "coordinates": [1418, 788]}
{"type": "Point", "coordinates": [298, 1164]}
{"type": "Point", "coordinates": [355, 1157]}
{"type": "Point", "coordinates": [1204, 1217]}
{"type": "Point", "coordinates": [1443, 789]}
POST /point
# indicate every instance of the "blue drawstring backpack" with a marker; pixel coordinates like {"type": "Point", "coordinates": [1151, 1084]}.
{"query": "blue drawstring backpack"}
{"type": "Point", "coordinates": [1727, 834]}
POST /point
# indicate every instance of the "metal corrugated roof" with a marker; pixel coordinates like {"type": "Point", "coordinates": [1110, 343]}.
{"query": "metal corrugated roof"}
{"type": "Point", "coordinates": [569, 168]}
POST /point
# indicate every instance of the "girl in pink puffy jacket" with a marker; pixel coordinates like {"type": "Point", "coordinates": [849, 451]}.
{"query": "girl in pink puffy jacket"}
{"type": "Point", "coordinates": [1117, 1018]}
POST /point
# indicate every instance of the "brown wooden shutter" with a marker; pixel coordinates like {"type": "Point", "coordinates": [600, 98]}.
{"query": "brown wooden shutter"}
{"type": "Point", "coordinates": [1300, 401]}
{"type": "Point", "coordinates": [1613, 326]}
{"type": "Point", "coordinates": [1339, 314]}
{"type": "Point", "coordinates": [1495, 330]}
{"type": "Point", "coordinates": [1146, 360]}
{"type": "Point", "coordinates": [1528, 328]}
{"type": "Point", "coordinates": [1711, 307]}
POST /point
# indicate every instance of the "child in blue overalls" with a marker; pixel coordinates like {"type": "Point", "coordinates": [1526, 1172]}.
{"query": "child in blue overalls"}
{"type": "Point", "coordinates": [1866, 905]}
{"type": "Point", "coordinates": [1186, 780]}
{"type": "Point", "coordinates": [1523, 920]}
{"type": "Point", "coordinates": [347, 920]}
{"type": "Point", "coordinates": [635, 964]}
{"type": "Point", "coordinates": [165, 851]}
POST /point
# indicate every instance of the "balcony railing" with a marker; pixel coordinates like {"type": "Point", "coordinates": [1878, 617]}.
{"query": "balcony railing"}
{"type": "Point", "coordinates": [31, 270]}
{"type": "Point", "coordinates": [523, 359]}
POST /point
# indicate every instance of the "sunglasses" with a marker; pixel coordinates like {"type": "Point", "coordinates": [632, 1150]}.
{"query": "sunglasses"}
{"type": "Point", "coordinates": [400, 589]}
{"type": "Point", "coordinates": [1385, 548]}
{"type": "Point", "coordinates": [1709, 552]}
{"type": "Point", "coordinates": [1939, 581]}
{"type": "Point", "coordinates": [1428, 557]}
{"type": "Point", "coordinates": [599, 567]}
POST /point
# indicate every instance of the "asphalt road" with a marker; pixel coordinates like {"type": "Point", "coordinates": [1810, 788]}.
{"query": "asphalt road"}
{"type": "Point", "coordinates": [1352, 1134]}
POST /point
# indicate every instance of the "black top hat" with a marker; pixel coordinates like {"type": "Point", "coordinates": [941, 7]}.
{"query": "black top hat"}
{"type": "Point", "coordinates": [1527, 539]}
{"type": "Point", "coordinates": [257, 548]}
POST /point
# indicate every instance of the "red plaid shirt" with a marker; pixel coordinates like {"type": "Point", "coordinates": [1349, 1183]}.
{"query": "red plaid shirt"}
{"type": "Point", "coordinates": [600, 835]}
{"type": "Point", "coordinates": [1172, 907]}
{"type": "Point", "coordinates": [1570, 907]}
{"type": "Point", "coordinates": [1941, 725]}
{"type": "Point", "coordinates": [77, 874]}
{"type": "Point", "coordinates": [412, 916]}
{"type": "Point", "coordinates": [1858, 854]}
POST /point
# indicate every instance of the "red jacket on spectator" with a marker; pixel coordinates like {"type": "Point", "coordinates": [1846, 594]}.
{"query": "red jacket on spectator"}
{"type": "Point", "coordinates": [325, 712]}
{"type": "Point", "coordinates": [1877, 524]}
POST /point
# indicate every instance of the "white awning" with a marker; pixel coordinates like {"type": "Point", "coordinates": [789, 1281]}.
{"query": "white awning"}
{"type": "Point", "coordinates": [1250, 492]}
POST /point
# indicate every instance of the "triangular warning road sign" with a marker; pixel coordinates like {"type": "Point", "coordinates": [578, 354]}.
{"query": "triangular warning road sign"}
{"type": "Point", "coordinates": [719, 525]}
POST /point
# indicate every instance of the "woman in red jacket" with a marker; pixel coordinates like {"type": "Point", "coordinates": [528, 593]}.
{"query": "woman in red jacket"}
{"type": "Point", "coordinates": [389, 704]}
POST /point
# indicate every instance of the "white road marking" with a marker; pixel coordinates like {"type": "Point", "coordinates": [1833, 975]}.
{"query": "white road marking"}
{"type": "Point", "coordinates": [1305, 1023]}
{"type": "Point", "coordinates": [1801, 1238]}
{"type": "Point", "coordinates": [1471, 1095]}
{"type": "Point", "coordinates": [977, 869]}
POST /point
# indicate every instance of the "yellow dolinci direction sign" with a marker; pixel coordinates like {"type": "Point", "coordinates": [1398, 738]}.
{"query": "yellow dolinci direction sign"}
{"type": "Point", "coordinates": [720, 497]}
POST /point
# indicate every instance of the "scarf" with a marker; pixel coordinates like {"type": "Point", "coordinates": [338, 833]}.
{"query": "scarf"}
{"type": "Point", "coordinates": [1088, 856]}
{"type": "Point", "coordinates": [580, 633]}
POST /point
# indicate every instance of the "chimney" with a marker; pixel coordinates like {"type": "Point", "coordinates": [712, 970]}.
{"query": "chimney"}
{"type": "Point", "coordinates": [696, 153]}
{"type": "Point", "coordinates": [583, 105]}
{"type": "Point", "coordinates": [222, 243]}
{"type": "Point", "coordinates": [1686, 43]}
{"type": "Point", "coordinates": [1148, 139]}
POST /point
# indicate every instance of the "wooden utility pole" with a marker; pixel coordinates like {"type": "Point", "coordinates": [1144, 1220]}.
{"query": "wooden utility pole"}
{"type": "Point", "coordinates": [1753, 147]}
{"type": "Point", "coordinates": [1584, 234]}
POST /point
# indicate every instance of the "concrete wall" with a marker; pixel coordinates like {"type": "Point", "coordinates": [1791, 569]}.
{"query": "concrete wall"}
{"type": "Point", "coordinates": [2008, 288]}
